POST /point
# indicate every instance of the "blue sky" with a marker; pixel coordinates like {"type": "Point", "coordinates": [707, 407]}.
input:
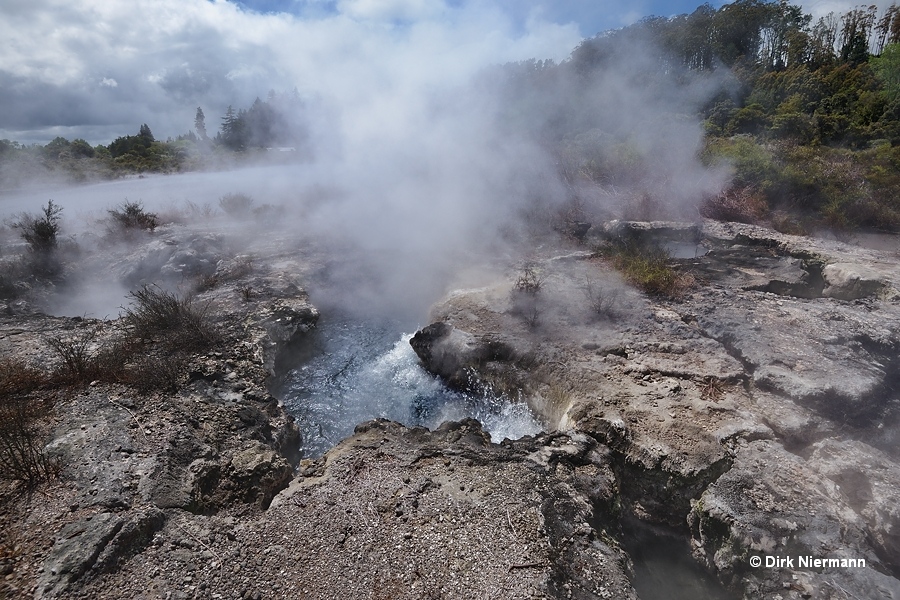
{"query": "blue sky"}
{"type": "Point", "coordinates": [590, 16]}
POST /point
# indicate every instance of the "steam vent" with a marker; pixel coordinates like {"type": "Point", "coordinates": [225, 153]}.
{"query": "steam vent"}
{"type": "Point", "coordinates": [449, 300]}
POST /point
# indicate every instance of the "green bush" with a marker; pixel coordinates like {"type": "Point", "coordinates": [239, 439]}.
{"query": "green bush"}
{"type": "Point", "coordinates": [236, 205]}
{"type": "Point", "coordinates": [754, 164]}
{"type": "Point", "coordinates": [131, 215]}
{"type": "Point", "coordinates": [41, 231]}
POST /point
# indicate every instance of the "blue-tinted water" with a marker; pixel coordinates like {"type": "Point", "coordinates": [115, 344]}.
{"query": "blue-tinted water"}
{"type": "Point", "coordinates": [355, 371]}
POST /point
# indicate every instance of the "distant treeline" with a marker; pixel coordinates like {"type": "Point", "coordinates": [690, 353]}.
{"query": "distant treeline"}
{"type": "Point", "coordinates": [806, 113]}
{"type": "Point", "coordinates": [277, 123]}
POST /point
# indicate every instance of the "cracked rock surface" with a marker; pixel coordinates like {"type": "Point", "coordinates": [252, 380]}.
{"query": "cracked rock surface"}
{"type": "Point", "coordinates": [756, 414]}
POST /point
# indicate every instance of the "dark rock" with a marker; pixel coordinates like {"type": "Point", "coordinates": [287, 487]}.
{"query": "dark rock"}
{"type": "Point", "coordinates": [453, 354]}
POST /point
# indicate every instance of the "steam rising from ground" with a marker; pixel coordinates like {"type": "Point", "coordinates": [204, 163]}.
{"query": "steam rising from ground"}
{"type": "Point", "coordinates": [425, 160]}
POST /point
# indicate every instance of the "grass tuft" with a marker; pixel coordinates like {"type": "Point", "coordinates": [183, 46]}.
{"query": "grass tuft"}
{"type": "Point", "coordinates": [649, 269]}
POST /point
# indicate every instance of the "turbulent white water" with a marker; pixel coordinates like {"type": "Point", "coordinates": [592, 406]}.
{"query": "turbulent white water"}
{"type": "Point", "coordinates": [358, 371]}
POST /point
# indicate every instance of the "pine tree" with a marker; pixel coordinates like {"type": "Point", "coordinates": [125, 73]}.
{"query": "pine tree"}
{"type": "Point", "coordinates": [200, 124]}
{"type": "Point", "coordinates": [146, 133]}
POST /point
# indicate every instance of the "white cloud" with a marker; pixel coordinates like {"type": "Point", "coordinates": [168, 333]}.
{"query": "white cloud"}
{"type": "Point", "coordinates": [820, 8]}
{"type": "Point", "coordinates": [390, 10]}
{"type": "Point", "coordinates": [166, 57]}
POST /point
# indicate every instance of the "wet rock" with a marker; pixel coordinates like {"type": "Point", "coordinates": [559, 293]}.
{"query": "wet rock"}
{"type": "Point", "coordinates": [647, 232]}
{"type": "Point", "coordinates": [131, 539]}
{"type": "Point", "coordinates": [77, 548]}
{"type": "Point", "coordinates": [176, 255]}
{"type": "Point", "coordinates": [454, 354]}
{"type": "Point", "coordinates": [99, 543]}
{"type": "Point", "coordinates": [803, 350]}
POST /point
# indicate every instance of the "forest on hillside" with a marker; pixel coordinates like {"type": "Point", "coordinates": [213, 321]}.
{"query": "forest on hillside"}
{"type": "Point", "coordinates": [805, 114]}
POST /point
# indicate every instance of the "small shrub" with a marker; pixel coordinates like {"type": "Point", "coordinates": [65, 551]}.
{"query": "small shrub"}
{"type": "Point", "coordinates": [78, 353]}
{"type": "Point", "coordinates": [208, 282]}
{"type": "Point", "coordinates": [160, 315]}
{"type": "Point", "coordinates": [743, 205]}
{"type": "Point", "coordinates": [530, 281]}
{"type": "Point", "coordinates": [525, 298]}
{"type": "Point", "coordinates": [204, 211]}
{"type": "Point", "coordinates": [268, 214]}
{"type": "Point", "coordinates": [22, 456]}
{"type": "Point", "coordinates": [8, 289]}
{"type": "Point", "coordinates": [132, 216]}
{"type": "Point", "coordinates": [236, 205]}
{"type": "Point", "coordinates": [41, 232]}
{"type": "Point", "coordinates": [783, 222]}
{"type": "Point", "coordinates": [602, 302]}
{"type": "Point", "coordinates": [149, 373]}
{"type": "Point", "coordinates": [711, 389]}
{"type": "Point", "coordinates": [17, 378]}
{"type": "Point", "coordinates": [529, 308]}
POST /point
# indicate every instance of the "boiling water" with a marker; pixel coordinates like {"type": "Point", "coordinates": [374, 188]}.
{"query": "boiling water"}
{"type": "Point", "coordinates": [352, 371]}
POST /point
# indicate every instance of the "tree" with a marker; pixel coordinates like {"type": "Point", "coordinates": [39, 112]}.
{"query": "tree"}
{"type": "Point", "coordinates": [856, 31]}
{"type": "Point", "coordinates": [887, 67]}
{"type": "Point", "coordinates": [56, 147]}
{"type": "Point", "coordinates": [200, 124]}
{"type": "Point", "coordinates": [887, 28]}
{"type": "Point", "coordinates": [229, 130]}
{"type": "Point", "coordinates": [81, 149]}
{"type": "Point", "coordinates": [146, 133]}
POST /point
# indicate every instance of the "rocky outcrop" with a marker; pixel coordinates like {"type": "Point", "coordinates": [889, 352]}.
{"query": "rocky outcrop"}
{"type": "Point", "coordinates": [174, 255]}
{"type": "Point", "coordinates": [792, 511]}
{"type": "Point", "coordinates": [464, 361]}
{"type": "Point", "coordinates": [754, 414]}
{"type": "Point", "coordinates": [847, 281]}
{"type": "Point", "coordinates": [134, 464]}
{"type": "Point", "coordinates": [271, 328]}
{"type": "Point", "coordinates": [405, 513]}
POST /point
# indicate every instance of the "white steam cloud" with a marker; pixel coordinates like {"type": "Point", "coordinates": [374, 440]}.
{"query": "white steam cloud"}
{"type": "Point", "coordinates": [418, 166]}
{"type": "Point", "coordinates": [167, 57]}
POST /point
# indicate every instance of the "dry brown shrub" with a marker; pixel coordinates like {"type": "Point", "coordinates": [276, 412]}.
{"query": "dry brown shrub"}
{"type": "Point", "coordinates": [22, 422]}
{"type": "Point", "coordinates": [743, 205]}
